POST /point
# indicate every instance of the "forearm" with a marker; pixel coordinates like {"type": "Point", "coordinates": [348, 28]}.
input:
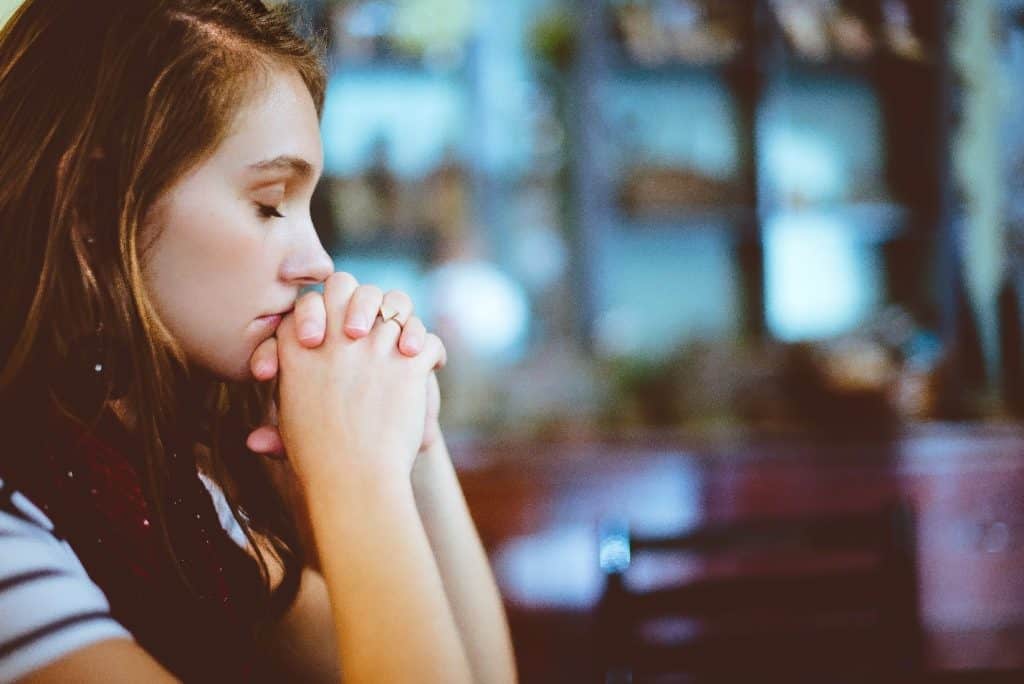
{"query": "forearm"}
{"type": "Point", "coordinates": [465, 571]}
{"type": "Point", "coordinates": [392, 619]}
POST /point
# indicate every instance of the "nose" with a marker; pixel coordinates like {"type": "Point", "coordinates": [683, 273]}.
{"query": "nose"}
{"type": "Point", "coordinates": [307, 263]}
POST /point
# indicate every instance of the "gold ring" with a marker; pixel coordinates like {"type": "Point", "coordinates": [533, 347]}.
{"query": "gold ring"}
{"type": "Point", "coordinates": [393, 316]}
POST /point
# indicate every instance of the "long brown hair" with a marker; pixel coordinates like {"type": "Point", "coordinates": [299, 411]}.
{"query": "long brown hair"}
{"type": "Point", "coordinates": [104, 105]}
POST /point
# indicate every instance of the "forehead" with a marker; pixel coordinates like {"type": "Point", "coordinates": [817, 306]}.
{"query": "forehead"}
{"type": "Point", "coordinates": [279, 120]}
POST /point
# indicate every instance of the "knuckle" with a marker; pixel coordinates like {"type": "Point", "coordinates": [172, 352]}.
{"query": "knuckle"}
{"type": "Point", "coordinates": [308, 300]}
{"type": "Point", "coordinates": [433, 343]}
{"type": "Point", "coordinates": [340, 284]}
{"type": "Point", "coordinates": [371, 292]}
{"type": "Point", "coordinates": [342, 278]}
{"type": "Point", "coordinates": [399, 299]}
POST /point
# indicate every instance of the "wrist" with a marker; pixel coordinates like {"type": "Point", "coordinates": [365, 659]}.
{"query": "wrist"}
{"type": "Point", "coordinates": [430, 464]}
{"type": "Point", "coordinates": [431, 435]}
{"type": "Point", "coordinates": [351, 505]}
{"type": "Point", "coordinates": [327, 476]}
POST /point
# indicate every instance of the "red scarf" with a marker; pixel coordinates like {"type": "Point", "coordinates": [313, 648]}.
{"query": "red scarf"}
{"type": "Point", "coordinates": [91, 489]}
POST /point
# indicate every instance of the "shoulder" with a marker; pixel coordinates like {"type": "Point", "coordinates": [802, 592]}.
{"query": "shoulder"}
{"type": "Point", "coordinates": [49, 607]}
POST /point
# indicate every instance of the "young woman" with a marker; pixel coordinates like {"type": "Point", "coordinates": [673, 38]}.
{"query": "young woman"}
{"type": "Point", "coordinates": [161, 515]}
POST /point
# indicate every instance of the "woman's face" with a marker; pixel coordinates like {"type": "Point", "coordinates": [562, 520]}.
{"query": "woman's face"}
{"type": "Point", "coordinates": [234, 238]}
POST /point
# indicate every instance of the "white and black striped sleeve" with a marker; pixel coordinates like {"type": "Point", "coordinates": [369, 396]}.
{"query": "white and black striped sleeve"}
{"type": "Point", "coordinates": [49, 607]}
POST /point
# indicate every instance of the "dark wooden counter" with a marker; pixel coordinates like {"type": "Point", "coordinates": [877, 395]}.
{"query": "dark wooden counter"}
{"type": "Point", "coordinates": [537, 506]}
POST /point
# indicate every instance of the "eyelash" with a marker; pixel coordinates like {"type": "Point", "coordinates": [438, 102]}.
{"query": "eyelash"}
{"type": "Point", "coordinates": [268, 212]}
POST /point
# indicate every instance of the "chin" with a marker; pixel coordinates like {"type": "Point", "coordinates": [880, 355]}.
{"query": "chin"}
{"type": "Point", "coordinates": [239, 373]}
{"type": "Point", "coordinates": [227, 369]}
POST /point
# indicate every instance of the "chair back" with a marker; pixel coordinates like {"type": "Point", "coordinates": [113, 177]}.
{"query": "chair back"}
{"type": "Point", "coordinates": [828, 598]}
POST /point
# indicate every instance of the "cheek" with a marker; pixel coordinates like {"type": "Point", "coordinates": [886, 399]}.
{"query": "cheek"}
{"type": "Point", "coordinates": [196, 255]}
{"type": "Point", "coordinates": [205, 273]}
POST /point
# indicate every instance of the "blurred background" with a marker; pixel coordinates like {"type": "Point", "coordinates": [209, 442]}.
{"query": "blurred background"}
{"type": "Point", "coordinates": [705, 263]}
{"type": "Point", "coordinates": [670, 214]}
{"type": "Point", "coordinates": [701, 262]}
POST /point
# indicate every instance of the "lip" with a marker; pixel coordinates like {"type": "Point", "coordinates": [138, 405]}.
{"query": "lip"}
{"type": "Point", "coordinates": [282, 313]}
{"type": "Point", "coordinates": [271, 321]}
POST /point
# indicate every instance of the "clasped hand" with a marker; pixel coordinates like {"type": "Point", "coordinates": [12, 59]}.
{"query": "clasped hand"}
{"type": "Point", "coordinates": [355, 371]}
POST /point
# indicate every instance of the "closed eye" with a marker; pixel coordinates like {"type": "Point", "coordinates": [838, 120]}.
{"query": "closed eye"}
{"type": "Point", "coordinates": [267, 211]}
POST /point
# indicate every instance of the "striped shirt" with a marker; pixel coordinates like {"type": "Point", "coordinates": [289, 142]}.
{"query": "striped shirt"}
{"type": "Point", "coordinates": [49, 606]}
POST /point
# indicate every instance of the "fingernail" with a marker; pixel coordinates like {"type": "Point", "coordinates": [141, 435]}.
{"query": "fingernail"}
{"type": "Point", "coordinates": [308, 331]}
{"type": "Point", "coordinates": [359, 324]}
{"type": "Point", "coordinates": [263, 368]}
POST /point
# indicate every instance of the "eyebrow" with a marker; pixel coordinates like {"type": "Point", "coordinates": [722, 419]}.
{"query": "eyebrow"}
{"type": "Point", "coordinates": [300, 167]}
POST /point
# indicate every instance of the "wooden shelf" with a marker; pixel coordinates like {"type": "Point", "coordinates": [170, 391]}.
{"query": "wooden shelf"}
{"type": "Point", "coordinates": [870, 222]}
{"type": "Point", "coordinates": [624, 68]}
{"type": "Point", "coordinates": [737, 220]}
{"type": "Point", "coordinates": [867, 68]}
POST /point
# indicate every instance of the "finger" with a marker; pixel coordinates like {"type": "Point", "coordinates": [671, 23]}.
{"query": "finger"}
{"type": "Point", "coordinates": [286, 332]}
{"type": "Point", "coordinates": [265, 440]}
{"type": "Point", "coordinates": [338, 291]}
{"type": "Point", "coordinates": [414, 334]}
{"type": "Point", "coordinates": [311, 319]}
{"type": "Point", "coordinates": [362, 309]}
{"type": "Point", "coordinates": [434, 355]}
{"type": "Point", "coordinates": [264, 360]}
{"type": "Point", "coordinates": [385, 333]}
{"type": "Point", "coordinates": [397, 305]}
